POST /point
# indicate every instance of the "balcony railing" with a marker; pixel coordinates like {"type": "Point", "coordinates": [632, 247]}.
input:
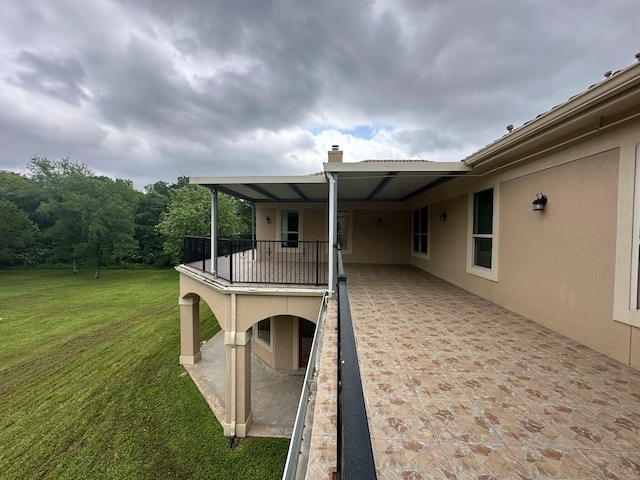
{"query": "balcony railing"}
{"type": "Point", "coordinates": [242, 260]}
{"type": "Point", "coordinates": [354, 451]}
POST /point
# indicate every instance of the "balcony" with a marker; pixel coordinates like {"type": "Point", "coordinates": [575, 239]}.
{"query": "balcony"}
{"type": "Point", "coordinates": [266, 262]}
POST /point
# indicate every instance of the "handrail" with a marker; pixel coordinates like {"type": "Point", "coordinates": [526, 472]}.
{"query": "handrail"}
{"type": "Point", "coordinates": [354, 451]}
{"type": "Point", "coordinates": [299, 262]}
{"type": "Point", "coordinates": [293, 454]}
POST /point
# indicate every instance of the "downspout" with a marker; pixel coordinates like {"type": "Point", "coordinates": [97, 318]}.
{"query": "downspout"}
{"type": "Point", "coordinates": [333, 232]}
{"type": "Point", "coordinates": [214, 231]}
{"type": "Point", "coordinates": [232, 342]}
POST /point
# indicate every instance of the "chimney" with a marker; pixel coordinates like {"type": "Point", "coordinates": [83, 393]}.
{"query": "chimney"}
{"type": "Point", "coordinates": [335, 154]}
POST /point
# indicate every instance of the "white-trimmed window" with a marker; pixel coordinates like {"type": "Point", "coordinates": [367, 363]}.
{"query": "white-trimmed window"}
{"type": "Point", "coordinates": [635, 243]}
{"type": "Point", "coordinates": [263, 331]}
{"type": "Point", "coordinates": [289, 228]}
{"type": "Point", "coordinates": [420, 239]}
{"type": "Point", "coordinates": [483, 228]}
{"type": "Point", "coordinates": [482, 258]}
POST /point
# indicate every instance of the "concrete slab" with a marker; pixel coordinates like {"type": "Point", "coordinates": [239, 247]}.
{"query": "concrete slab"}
{"type": "Point", "coordinates": [274, 394]}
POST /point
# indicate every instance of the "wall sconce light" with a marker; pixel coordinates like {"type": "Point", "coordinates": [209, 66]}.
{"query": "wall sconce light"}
{"type": "Point", "coordinates": [443, 216]}
{"type": "Point", "coordinates": [268, 220]}
{"type": "Point", "coordinates": [379, 221]}
{"type": "Point", "coordinates": [539, 202]}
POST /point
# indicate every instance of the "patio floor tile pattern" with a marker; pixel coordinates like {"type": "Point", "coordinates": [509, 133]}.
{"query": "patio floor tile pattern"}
{"type": "Point", "coordinates": [322, 449]}
{"type": "Point", "coordinates": [459, 388]}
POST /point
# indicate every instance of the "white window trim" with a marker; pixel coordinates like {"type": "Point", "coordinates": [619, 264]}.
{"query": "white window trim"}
{"type": "Point", "coordinates": [279, 227]}
{"type": "Point", "coordinates": [426, 256]}
{"type": "Point", "coordinates": [349, 248]}
{"type": "Point", "coordinates": [635, 239]}
{"type": "Point", "coordinates": [626, 273]}
{"type": "Point", "coordinates": [261, 342]}
{"type": "Point", "coordinates": [487, 273]}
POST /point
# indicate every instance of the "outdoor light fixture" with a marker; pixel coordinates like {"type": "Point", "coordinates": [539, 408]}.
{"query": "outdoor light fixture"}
{"type": "Point", "coordinates": [379, 221]}
{"type": "Point", "coordinates": [539, 202]}
{"type": "Point", "coordinates": [268, 220]}
{"type": "Point", "coordinates": [443, 216]}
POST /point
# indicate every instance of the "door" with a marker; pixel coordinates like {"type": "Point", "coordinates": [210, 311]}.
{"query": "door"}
{"type": "Point", "coordinates": [306, 329]}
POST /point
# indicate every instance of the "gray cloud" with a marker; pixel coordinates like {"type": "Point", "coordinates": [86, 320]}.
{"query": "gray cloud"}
{"type": "Point", "coordinates": [58, 77]}
{"type": "Point", "coordinates": [154, 89]}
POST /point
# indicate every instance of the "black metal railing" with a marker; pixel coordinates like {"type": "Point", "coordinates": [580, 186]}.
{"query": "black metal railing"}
{"type": "Point", "coordinates": [354, 452]}
{"type": "Point", "coordinates": [196, 251]}
{"type": "Point", "coordinates": [243, 260]}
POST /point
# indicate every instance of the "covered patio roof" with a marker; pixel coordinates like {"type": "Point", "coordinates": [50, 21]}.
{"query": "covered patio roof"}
{"type": "Point", "coordinates": [368, 181]}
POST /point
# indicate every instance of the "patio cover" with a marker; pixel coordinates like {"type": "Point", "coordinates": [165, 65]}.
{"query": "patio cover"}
{"type": "Point", "coordinates": [368, 181]}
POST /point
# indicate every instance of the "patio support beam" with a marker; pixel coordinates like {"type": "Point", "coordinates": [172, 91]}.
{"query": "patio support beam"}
{"type": "Point", "coordinates": [381, 185]}
{"type": "Point", "coordinates": [189, 330]}
{"type": "Point", "coordinates": [333, 231]}
{"type": "Point", "coordinates": [214, 231]}
{"type": "Point", "coordinates": [298, 192]}
{"type": "Point", "coordinates": [262, 191]}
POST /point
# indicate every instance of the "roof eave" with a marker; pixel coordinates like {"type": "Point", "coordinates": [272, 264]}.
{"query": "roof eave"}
{"type": "Point", "coordinates": [381, 167]}
{"type": "Point", "coordinates": [291, 179]}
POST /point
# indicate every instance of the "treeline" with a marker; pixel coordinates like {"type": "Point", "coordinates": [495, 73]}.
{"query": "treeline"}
{"type": "Point", "coordinates": [60, 212]}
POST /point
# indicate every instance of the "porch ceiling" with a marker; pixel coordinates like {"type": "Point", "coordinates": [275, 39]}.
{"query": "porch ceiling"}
{"type": "Point", "coordinates": [385, 181]}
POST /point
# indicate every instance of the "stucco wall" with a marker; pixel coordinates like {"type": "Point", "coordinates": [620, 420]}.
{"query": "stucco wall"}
{"type": "Point", "coordinates": [283, 328]}
{"type": "Point", "coordinates": [262, 351]}
{"type": "Point", "coordinates": [315, 223]}
{"type": "Point", "coordinates": [283, 349]}
{"type": "Point", "coordinates": [557, 266]}
{"type": "Point", "coordinates": [386, 243]}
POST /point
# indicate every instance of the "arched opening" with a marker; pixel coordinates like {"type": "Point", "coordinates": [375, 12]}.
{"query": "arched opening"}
{"type": "Point", "coordinates": [283, 342]}
{"type": "Point", "coordinates": [209, 325]}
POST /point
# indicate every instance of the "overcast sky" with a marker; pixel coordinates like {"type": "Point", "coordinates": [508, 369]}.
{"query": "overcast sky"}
{"type": "Point", "coordinates": [152, 90]}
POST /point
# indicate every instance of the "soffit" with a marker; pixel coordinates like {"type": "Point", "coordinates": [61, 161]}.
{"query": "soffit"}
{"type": "Point", "coordinates": [385, 181]}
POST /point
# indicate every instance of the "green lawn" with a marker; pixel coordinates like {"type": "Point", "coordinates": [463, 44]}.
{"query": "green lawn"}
{"type": "Point", "coordinates": [90, 386]}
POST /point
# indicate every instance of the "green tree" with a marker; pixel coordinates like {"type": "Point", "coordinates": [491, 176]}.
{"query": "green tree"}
{"type": "Point", "coordinates": [110, 227]}
{"type": "Point", "coordinates": [190, 214]}
{"type": "Point", "coordinates": [90, 218]}
{"type": "Point", "coordinates": [151, 206]}
{"type": "Point", "coordinates": [18, 236]}
{"type": "Point", "coordinates": [20, 190]}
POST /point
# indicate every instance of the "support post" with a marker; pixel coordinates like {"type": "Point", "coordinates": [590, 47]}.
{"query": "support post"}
{"type": "Point", "coordinates": [333, 232]}
{"type": "Point", "coordinates": [238, 415]}
{"type": "Point", "coordinates": [214, 231]}
{"type": "Point", "coordinates": [189, 330]}
{"type": "Point", "coordinates": [253, 231]}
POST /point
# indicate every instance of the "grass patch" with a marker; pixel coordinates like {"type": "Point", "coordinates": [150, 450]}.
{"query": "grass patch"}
{"type": "Point", "coordinates": [90, 386]}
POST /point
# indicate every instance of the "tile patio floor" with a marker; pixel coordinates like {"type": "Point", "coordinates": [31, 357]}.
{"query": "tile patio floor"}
{"type": "Point", "coordinates": [459, 388]}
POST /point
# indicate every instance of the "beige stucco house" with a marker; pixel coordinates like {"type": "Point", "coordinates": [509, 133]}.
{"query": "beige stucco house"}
{"type": "Point", "coordinates": [571, 265]}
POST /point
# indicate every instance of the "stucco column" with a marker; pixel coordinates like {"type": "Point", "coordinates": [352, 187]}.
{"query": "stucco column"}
{"type": "Point", "coordinates": [189, 330]}
{"type": "Point", "coordinates": [238, 416]}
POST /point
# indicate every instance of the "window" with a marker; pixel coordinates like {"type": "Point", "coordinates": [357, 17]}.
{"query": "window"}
{"type": "Point", "coordinates": [421, 230]}
{"type": "Point", "coordinates": [483, 228]}
{"type": "Point", "coordinates": [290, 228]}
{"type": "Point", "coordinates": [264, 331]}
{"type": "Point", "coordinates": [635, 245]}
